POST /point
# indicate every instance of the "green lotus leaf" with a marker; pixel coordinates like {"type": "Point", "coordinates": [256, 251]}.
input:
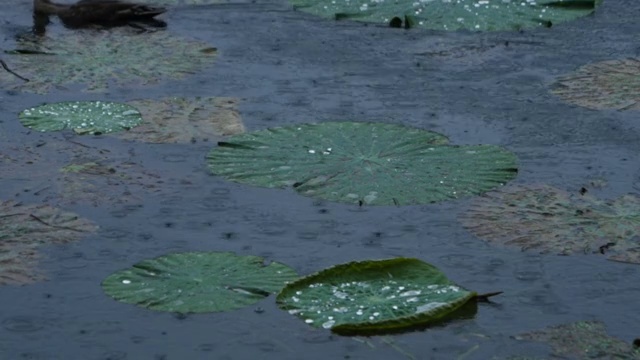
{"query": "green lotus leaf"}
{"type": "Point", "coordinates": [197, 282]}
{"type": "Point", "coordinates": [84, 117]}
{"type": "Point", "coordinates": [374, 296]}
{"type": "Point", "coordinates": [98, 60]}
{"type": "Point", "coordinates": [583, 340]}
{"type": "Point", "coordinates": [365, 163]}
{"type": "Point", "coordinates": [550, 220]}
{"type": "Point", "coordinates": [475, 15]}
{"type": "Point", "coordinates": [182, 120]}
{"type": "Point", "coordinates": [613, 84]}
{"type": "Point", "coordinates": [24, 228]}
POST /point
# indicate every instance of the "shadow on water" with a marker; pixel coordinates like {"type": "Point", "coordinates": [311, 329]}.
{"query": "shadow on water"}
{"type": "Point", "coordinates": [289, 67]}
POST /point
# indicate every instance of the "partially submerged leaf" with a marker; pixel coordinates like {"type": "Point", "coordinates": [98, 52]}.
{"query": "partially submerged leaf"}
{"type": "Point", "coordinates": [612, 84]}
{"type": "Point", "coordinates": [362, 163]}
{"type": "Point", "coordinates": [99, 59]}
{"type": "Point", "coordinates": [23, 228]}
{"type": "Point", "coordinates": [475, 15]}
{"type": "Point", "coordinates": [196, 282]}
{"type": "Point", "coordinates": [374, 296]}
{"type": "Point", "coordinates": [583, 340]}
{"type": "Point", "coordinates": [83, 117]}
{"type": "Point", "coordinates": [549, 220]}
{"type": "Point", "coordinates": [183, 120]}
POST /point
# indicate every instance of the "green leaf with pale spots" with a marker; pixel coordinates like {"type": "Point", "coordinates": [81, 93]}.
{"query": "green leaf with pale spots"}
{"type": "Point", "coordinates": [374, 296]}
{"type": "Point", "coordinates": [83, 117]}
{"type": "Point", "coordinates": [197, 282]}
{"type": "Point", "coordinates": [475, 15]}
{"type": "Point", "coordinates": [362, 163]}
{"type": "Point", "coordinates": [545, 219]}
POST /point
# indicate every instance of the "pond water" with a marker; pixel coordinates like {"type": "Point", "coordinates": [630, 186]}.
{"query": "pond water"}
{"type": "Point", "coordinates": [289, 67]}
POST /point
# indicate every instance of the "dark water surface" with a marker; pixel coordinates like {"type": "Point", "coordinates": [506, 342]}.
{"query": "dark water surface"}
{"type": "Point", "coordinates": [290, 67]}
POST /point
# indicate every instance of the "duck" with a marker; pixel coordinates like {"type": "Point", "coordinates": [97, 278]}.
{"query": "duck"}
{"type": "Point", "coordinates": [106, 13]}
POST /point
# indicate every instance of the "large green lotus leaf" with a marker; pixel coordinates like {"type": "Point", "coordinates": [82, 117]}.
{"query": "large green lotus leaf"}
{"type": "Point", "coordinates": [84, 117]}
{"type": "Point", "coordinates": [613, 84]}
{"type": "Point", "coordinates": [366, 163]}
{"type": "Point", "coordinates": [550, 220]}
{"type": "Point", "coordinates": [23, 228]}
{"type": "Point", "coordinates": [182, 120]}
{"type": "Point", "coordinates": [101, 59]}
{"type": "Point", "coordinates": [374, 296]}
{"type": "Point", "coordinates": [477, 15]}
{"type": "Point", "coordinates": [196, 282]}
{"type": "Point", "coordinates": [583, 340]}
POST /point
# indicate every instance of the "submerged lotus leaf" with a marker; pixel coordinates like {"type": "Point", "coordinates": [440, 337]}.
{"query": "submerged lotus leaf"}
{"type": "Point", "coordinates": [95, 181]}
{"type": "Point", "coordinates": [84, 117]}
{"type": "Point", "coordinates": [374, 296]}
{"type": "Point", "coordinates": [23, 228]}
{"type": "Point", "coordinates": [583, 340]}
{"type": "Point", "coordinates": [182, 120]}
{"type": "Point", "coordinates": [102, 59]}
{"type": "Point", "coordinates": [550, 220]}
{"type": "Point", "coordinates": [475, 15]}
{"type": "Point", "coordinates": [194, 2]}
{"type": "Point", "coordinates": [365, 163]}
{"type": "Point", "coordinates": [613, 84]}
{"type": "Point", "coordinates": [196, 282]}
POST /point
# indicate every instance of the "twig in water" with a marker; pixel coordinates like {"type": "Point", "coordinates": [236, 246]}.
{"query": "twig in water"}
{"type": "Point", "coordinates": [4, 65]}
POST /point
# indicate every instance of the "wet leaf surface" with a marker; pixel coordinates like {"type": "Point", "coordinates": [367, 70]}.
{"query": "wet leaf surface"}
{"type": "Point", "coordinates": [476, 15]}
{"type": "Point", "coordinates": [362, 163]}
{"type": "Point", "coordinates": [83, 117]}
{"type": "Point", "coordinates": [197, 282]}
{"type": "Point", "coordinates": [545, 219]}
{"type": "Point", "coordinates": [374, 296]}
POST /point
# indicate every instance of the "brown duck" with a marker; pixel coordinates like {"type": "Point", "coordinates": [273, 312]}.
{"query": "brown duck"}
{"type": "Point", "coordinates": [98, 12]}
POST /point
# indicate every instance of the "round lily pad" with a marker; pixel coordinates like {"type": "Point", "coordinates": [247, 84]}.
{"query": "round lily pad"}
{"type": "Point", "coordinates": [99, 60]}
{"type": "Point", "coordinates": [373, 296]}
{"type": "Point", "coordinates": [550, 220]}
{"type": "Point", "coordinates": [476, 15]}
{"type": "Point", "coordinates": [197, 282]}
{"type": "Point", "coordinates": [84, 117]}
{"type": "Point", "coordinates": [362, 163]}
{"type": "Point", "coordinates": [613, 84]}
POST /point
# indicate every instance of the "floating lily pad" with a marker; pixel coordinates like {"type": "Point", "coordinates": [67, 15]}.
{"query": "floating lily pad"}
{"type": "Point", "coordinates": [583, 340]}
{"type": "Point", "coordinates": [365, 163]}
{"type": "Point", "coordinates": [196, 282]}
{"type": "Point", "coordinates": [83, 117]}
{"type": "Point", "coordinates": [613, 84]}
{"type": "Point", "coordinates": [550, 220]}
{"type": "Point", "coordinates": [23, 228]}
{"type": "Point", "coordinates": [101, 59]}
{"type": "Point", "coordinates": [373, 296]}
{"type": "Point", "coordinates": [182, 120]}
{"type": "Point", "coordinates": [476, 15]}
